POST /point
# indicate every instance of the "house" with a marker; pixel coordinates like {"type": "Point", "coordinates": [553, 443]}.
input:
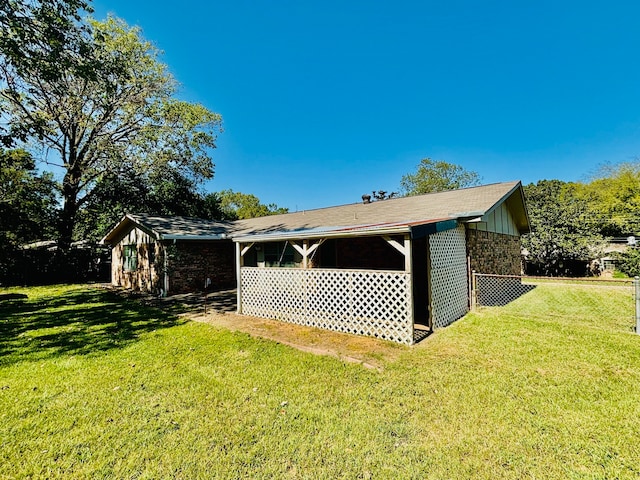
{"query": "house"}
{"type": "Point", "coordinates": [168, 255]}
{"type": "Point", "coordinates": [616, 246]}
{"type": "Point", "coordinates": [381, 269]}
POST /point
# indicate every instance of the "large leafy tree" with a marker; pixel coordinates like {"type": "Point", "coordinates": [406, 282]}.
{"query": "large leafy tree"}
{"type": "Point", "coordinates": [614, 196]}
{"type": "Point", "coordinates": [110, 110]}
{"type": "Point", "coordinates": [437, 176]}
{"type": "Point", "coordinates": [27, 198]}
{"type": "Point", "coordinates": [43, 39]}
{"type": "Point", "coordinates": [237, 205]}
{"type": "Point", "coordinates": [161, 193]}
{"type": "Point", "coordinates": [560, 228]}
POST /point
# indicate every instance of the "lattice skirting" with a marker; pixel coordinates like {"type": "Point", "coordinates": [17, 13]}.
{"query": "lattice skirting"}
{"type": "Point", "coordinates": [448, 278]}
{"type": "Point", "coordinates": [362, 302]}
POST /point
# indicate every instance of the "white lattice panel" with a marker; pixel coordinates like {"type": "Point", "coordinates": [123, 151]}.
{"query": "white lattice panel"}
{"type": "Point", "coordinates": [363, 302]}
{"type": "Point", "coordinates": [448, 281]}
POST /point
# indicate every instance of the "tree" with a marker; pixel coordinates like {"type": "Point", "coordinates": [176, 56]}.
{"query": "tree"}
{"type": "Point", "coordinates": [110, 111]}
{"type": "Point", "coordinates": [27, 199]}
{"type": "Point", "coordinates": [238, 206]}
{"type": "Point", "coordinates": [163, 193]}
{"type": "Point", "coordinates": [437, 176]}
{"type": "Point", "coordinates": [27, 204]}
{"type": "Point", "coordinates": [42, 38]}
{"type": "Point", "coordinates": [629, 262]}
{"type": "Point", "coordinates": [560, 232]}
{"type": "Point", "coordinates": [614, 196]}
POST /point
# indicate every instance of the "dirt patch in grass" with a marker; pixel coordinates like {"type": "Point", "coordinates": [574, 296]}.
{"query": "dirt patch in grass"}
{"type": "Point", "coordinates": [217, 309]}
{"type": "Point", "coordinates": [369, 352]}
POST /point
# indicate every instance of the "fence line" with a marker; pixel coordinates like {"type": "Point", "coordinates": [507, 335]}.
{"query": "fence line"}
{"type": "Point", "coordinates": [580, 299]}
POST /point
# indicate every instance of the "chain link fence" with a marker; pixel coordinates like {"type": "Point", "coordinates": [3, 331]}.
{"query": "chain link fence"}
{"type": "Point", "coordinates": [611, 303]}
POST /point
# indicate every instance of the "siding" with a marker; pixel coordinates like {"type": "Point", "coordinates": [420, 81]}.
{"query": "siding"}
{"type": "Point", "coordinates": [148, 275]}
{"type": "Point", "coordinates": [497, 221]}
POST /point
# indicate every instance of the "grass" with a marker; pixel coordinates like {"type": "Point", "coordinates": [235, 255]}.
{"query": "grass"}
{"type": "Point", "coordinates": [92, 386]}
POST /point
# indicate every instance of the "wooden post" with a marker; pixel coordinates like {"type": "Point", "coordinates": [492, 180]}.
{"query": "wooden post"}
{"type": "Point", "coordinates": [407, 255]}
{"type": "Point", "coordinates": [239, 263]}
{"type": "Point", "coordinates": [305, 254]}
{"type": "Point", "coordinates": [408, 268]}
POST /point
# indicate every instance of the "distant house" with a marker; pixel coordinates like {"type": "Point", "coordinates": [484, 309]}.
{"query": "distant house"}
{"type": "Point", "coordinates": [381, 269]}
{"type": "Point", "coordinates": [615, 246]}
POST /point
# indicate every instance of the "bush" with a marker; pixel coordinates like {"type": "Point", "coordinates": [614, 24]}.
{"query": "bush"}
{"type": "Point", "coordinates": [629, 262]}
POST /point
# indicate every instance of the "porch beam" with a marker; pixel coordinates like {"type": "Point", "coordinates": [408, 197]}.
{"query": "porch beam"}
{"type": "Point", "coordinates": [315, 246]}
{"type": "Point", "coordinates": [298, 248]}
{"type": "Point", "coordinates": [246, 249]}
{"type": "Point", "coordinates": [306, 250]}
{"type": "Point", "coordinates": [395, 244]}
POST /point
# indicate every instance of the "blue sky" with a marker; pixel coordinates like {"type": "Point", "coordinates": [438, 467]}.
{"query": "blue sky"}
{"type": "Point", "coordinates": [325, 101]}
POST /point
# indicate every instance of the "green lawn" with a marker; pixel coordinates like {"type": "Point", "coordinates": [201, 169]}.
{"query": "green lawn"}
{"type": "Point", "coordinates": [92, 386]}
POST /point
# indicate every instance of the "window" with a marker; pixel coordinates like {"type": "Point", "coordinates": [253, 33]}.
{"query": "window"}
{"type": "Point", "coordinates": [279, 255]}
{"type": "Point", "coordinates": [130, 257]}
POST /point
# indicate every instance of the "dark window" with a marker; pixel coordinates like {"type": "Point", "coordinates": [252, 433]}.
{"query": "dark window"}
{"type": "Point", "coordinates": [277, 255]}
{"type": "Point", "coordinates": [130, 256]}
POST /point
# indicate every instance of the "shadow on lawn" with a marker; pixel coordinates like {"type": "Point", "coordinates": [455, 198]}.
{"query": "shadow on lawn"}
{"type": "Point", "coordinates": [75, 323]}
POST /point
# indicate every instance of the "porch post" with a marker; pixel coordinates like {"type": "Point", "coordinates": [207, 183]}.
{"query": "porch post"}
{"type": "Point", "coordinates": [305, 255]}
{"type": "Point", "coordinates": [408, 268]}
{"type": "Point", "coordinates": [239, 262]}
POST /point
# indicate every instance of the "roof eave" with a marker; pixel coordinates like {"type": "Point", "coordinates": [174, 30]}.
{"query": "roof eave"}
{"type": "Point", "coordinates": [301, 235]}
{"type": "Point", "coordinates": [415, 229]}
{"type": "Point", "coordinates": [219, 236]}
{"type": "Point", "coordinates": [110, 237]}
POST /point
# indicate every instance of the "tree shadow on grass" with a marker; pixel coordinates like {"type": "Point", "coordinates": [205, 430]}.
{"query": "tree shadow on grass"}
{"type": "Point", "coordinates": [78, 322]}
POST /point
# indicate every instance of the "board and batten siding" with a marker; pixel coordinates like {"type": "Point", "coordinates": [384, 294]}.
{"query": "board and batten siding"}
{"type": "Point", "coordinates": [497, 221]}
{"type": "Point", "coordinates": [144, 277]}
{"type": "Point", "coordinates": [493, 245]}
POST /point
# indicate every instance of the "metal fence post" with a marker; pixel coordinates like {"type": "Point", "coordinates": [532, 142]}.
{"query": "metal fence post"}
{"type": "Point", "coordinates": [474, 286]}
{"type": "Point", "coordinates": [636, 284]}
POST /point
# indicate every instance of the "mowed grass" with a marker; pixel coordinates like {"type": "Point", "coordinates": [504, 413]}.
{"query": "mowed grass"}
{"type": "Point", "coordinates": [93, 386]}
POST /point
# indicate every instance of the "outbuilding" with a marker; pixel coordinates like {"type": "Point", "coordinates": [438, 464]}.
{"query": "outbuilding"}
{"type": "Point", "coordinates": [168, 255]}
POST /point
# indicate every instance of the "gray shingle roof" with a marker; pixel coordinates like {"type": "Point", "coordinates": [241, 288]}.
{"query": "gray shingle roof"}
{"type": "Point", "coordinates": [460, 204]}
{"type": "Point", "coordinates": [170, 228]}
{"type": "Point", "coordinates": [463, 204]}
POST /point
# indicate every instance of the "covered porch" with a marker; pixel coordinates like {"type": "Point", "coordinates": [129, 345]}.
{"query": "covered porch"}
{"type": "Point", "coordinates": [365, 280]}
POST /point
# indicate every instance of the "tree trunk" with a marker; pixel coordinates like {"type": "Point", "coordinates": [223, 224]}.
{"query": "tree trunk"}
{"type": "Point", "coordinates": [69, 208]}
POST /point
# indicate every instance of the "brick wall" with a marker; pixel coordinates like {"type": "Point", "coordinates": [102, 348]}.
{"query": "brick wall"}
{"type": "Point", "coordinates": [191, 263]}
{"type": "Point", "coordinates": [496, 253]}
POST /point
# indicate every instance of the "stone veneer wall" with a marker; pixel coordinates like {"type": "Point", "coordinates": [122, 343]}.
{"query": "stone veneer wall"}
{"type": "Point", "coordinates": [495, 253]}
{"type": "Point", "coordinates": [191, 263]}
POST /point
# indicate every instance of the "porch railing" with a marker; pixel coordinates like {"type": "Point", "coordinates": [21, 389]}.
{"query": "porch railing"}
{"type": "Point", "coordinates": [363, 302]}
